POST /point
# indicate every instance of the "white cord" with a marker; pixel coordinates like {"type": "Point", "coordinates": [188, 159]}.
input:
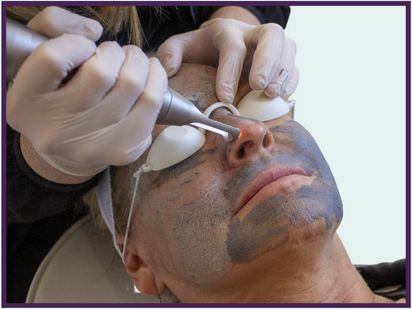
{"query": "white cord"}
{"type": "Point", "coordinates": [143, 169]}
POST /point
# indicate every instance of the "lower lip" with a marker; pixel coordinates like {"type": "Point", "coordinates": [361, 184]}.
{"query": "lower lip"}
{"type": "Point", "coordinates": [285, 184]}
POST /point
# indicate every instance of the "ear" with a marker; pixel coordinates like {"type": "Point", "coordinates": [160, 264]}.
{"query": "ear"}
{"type": "Point", "coordinates": [143, 277]}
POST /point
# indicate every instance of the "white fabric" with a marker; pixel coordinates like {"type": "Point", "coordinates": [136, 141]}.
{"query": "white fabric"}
{"type": "Point", "coordinates": [104, 200]}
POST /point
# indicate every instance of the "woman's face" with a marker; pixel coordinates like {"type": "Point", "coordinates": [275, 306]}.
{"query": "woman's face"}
{"type": "Point", "coordinates": [208, 217]}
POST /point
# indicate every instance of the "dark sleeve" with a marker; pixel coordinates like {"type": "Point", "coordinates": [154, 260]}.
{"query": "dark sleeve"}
{"type": "Point", "coordinates": [271, 14]}
{"type": "Point", "coordinates": [384, 275]}
{"type": "Point", "coordinates": [31, 197]}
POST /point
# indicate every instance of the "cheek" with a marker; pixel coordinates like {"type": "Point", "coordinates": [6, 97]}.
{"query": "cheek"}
{"type": "Point", "coordinates": [283, 143]}
{"type": "Point", "coordinates": [297, 147]}
{"type": "Point", "coordinates": [267, 226]}
{"type": "Point", "coordinates": [187, 218]}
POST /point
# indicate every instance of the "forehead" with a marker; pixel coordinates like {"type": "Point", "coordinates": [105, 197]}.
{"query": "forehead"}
{"type": "Point", "coordinates": [196, 83]}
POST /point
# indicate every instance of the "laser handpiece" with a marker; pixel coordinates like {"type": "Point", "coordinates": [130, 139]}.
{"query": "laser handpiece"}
{"type": "Point", "coordinates": [175, 110]}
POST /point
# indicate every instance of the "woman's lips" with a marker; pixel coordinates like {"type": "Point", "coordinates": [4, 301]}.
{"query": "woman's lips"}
{"type": "Point", "coordinates": [278, 179]}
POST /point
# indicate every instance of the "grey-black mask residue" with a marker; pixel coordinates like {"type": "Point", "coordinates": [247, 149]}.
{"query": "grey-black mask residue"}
{"type": "Point", "coordinates": [266, 226]}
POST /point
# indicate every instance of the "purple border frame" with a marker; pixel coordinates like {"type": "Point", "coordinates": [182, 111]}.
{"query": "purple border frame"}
{"type": "Point", "coordinates": [405, 4]}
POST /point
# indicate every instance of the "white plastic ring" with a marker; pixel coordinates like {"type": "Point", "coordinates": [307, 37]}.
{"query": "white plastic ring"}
{"type": "Point", "coordinates": [217, 105]}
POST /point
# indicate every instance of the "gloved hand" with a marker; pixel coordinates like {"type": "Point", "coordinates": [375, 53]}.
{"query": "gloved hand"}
{"type": "Point", "coordinates": [232, 46]}
{"type": "Point", "coordinates": [106, 112]}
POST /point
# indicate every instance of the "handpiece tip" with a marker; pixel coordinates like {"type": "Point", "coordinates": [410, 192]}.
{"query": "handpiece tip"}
{"type": "Point", "coordinates": [236, 134]}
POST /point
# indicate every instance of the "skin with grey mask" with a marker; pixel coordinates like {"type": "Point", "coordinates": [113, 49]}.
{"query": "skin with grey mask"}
{"type": "Point", "coordinates": [283, 210]}
{"type": "Point", "coordinates": [199, 194]}
{"type": "Point", "coordinates": [229, 222]}
{"type": "Point", "coordinates": [194, 200]}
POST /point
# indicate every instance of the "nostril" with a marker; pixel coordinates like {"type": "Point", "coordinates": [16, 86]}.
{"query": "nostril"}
{"type": "Point", "coordinates": [255, 139]}
{"type": "Point", "coordinates": [246, 146]}
{"type": "Point", "coordinates": [267, 140]}
{"type": "Point", "coordinates": [241, 152]}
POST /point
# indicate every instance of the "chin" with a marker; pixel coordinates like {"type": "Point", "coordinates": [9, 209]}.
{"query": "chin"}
{"type": "Point", "coordinates": [302, 234]}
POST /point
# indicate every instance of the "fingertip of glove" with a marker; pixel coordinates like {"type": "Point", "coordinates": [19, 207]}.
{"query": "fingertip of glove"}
{"type": "Point", "coordinates": [93, 30]}
{"type": "Point", "coordinates": [158, 74]}
{"type": "Point", "coordinates": [171, 71]}
{"type": "Point", "coordinates": [271, 94]}
{"type": "Point", "coordinates": [170, 67]}
{"type": "Point", "coordinates": [274, 92]}
{"type": "Point", "coordinates": [258, 83]}
{"type": "Point", "coordinates": [225, 96]}
{"type": "Point", "coordinates": [154, 60]}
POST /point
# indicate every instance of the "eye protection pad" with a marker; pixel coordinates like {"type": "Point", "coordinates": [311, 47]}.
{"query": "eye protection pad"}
{"type": "Point", "coordinates": [176, 143]}
{"type": "Point", "coordinates": [257, 105]}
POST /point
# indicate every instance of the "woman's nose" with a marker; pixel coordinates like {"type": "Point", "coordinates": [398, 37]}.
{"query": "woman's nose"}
{"type": "Point", "coordinates": [254, 142]}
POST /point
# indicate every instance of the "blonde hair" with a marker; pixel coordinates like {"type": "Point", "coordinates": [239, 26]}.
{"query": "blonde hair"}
{"type": "Point", "coordinates": [112, 18]}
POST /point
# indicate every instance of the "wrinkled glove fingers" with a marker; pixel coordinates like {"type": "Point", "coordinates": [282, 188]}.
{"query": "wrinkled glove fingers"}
{"type": "Point", "coordinates": [96, 77]}
{"type": "Point", "coordinates": [128, 87]}
{"type": "Point", "coordinates": [139, 122]}
{"type": "Point", "coordinates": [151, 99]}
{"type": "Point", "coordinates": [48, 64]}
{"type": "Point", "coordinates": [170, 55]}
{"type": "Point", "coordinates": [191, 47]}
{"type": "Point", "coordinates": [232, 56]}
{"type": "Point", "coordinates": [269, 41]}
{"type": "Point", "coordinates": [283, 71]}
{"type": "Point", "coordinates": [291, 85]}
{"type": "Point", "coordinates": [232, 53]}
{"type": "Point", "coordinates": [54, 21]}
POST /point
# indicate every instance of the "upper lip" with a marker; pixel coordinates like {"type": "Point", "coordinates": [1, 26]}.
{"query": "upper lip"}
{"type": "Point", "coordinates": [263, 180]}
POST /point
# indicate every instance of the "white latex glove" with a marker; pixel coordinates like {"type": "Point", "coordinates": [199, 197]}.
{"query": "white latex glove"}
{"type": "Point", "coordinates": [232, 46]}
{"type": "Point", "coordinates": [103, 116]}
